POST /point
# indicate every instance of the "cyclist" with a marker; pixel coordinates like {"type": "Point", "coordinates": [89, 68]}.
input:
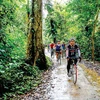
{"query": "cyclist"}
{"type": "Point", "coordinates": [52, 48]}
{"type": "Point", "coordinates": [58, 49]}
{"type": "Point", "coordinates": [63, 49]}
{"type": "Point", "coordinates": [72, 51]}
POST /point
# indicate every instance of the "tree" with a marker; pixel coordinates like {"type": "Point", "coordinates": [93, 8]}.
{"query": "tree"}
{"type": "Point", "coordinates": [35, 50]}
{"type": "Point", "coordinates": [31, 38]}
{"type": "Point", "coordinates": [79, 20]}
{"type": "Point", "coordinates": [40, 59]}
{"type": "Point", "coordinates": [85, 12]}
{"type": "Point", "coordinates": [52, 23]}
{"type": "Point", "coordinates": [53, 30]}
{"type": "Point", "coordinates": [93, 32]}
{"type": "Point", "coordinates": [56, 22]}
{"type": "Point", "coordinates": [28, 15]}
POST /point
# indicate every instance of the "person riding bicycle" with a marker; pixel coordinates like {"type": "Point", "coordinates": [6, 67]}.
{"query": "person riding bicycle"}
{"type": "Point", "coordinates": [63, 49]}
{"type": "Point", "coordinates": [63, 46]}
{"type": "Point", "coordinates": [58, 49]}
{"type": "Point", "coordinates": [72, 51]}
{"type": "Point", "coordinates": [52, 48]}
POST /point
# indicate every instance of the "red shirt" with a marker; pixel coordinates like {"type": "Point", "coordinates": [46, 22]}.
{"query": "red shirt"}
{"type": "Point", "coordinates": [52, 45]}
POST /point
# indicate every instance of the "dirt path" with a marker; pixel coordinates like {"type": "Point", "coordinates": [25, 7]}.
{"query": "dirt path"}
{"type": "Point", "coordinates": [57, 86]}
{"type": "Point", "coordinates": [64, 89]}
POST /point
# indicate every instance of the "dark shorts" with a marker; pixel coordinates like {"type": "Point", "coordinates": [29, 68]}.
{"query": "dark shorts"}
{"type": "Point", "coordinates": [58, 52]}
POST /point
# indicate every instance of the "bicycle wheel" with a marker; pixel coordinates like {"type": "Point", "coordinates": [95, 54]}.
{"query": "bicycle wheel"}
{"type": "Point", "coordinates": [63, 54]}
{"type": "Point", "coordinates": [74, 73]}
{"type": "Point", "coordinates": [59, 58]}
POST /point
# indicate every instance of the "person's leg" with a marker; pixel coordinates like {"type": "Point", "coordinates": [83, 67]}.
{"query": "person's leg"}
{"type": "Point", "coordinates": [75, 61]}
{"type": "Point", "coordinates": [64, 53]}
{"type": "Point", "coordinates": [56, 55]}
{"type": "Point", "coordinates": [68, 65]}
{"type": "Point", "coordinates": [51, 52]}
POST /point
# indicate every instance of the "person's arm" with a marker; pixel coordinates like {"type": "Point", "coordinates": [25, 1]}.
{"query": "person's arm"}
{"type": "Point", "coordinates": [79, 53]}
{"type": "Point", "coordinates": [60, 47]}
{"type": "Point", "coordinates": [67, 52]}
{"type": "Point", "coordinates": [54, 47]}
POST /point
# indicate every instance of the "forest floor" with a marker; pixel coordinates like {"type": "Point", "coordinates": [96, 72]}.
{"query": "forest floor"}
{"type": "Point", "coordinates": [56, 85]}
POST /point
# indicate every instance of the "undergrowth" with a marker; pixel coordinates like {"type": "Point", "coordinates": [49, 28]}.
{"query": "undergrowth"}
{"type": "Point", "coordinates": [49, 62]}
{"type": "Point", "coordinates": [18, 78]}
{"type": "Point", "coordinates": [93, 74]}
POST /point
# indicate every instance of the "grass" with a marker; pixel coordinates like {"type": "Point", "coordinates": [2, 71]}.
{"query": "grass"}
{"type": "Point", "coordinates": [94, 77]}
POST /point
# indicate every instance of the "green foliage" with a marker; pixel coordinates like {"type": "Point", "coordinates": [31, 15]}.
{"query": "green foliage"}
{"type": "Point", "coordinates": [49, 62]}
{"type": "Point", "coordinates": [76, 20]}
{"type": "Point", "coordinates": [97, 46]}
{"type": "Point", "coordinates": [18, 78]}
{"type": "Point", "coordinates": [85, 12]}
{"type": "Point", "coordinates": [12, 30]}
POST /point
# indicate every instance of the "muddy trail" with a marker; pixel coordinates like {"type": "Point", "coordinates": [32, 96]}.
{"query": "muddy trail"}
{"type": "Point", "coordinates": [58, 86]}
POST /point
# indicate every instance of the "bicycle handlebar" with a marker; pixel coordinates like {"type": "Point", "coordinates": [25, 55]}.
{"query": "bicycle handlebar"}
{"type": "Point", "coordinates": [75, 58]}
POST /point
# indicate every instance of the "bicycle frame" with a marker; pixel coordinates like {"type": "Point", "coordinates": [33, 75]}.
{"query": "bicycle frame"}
{"type": "Point", "coordinates": [73, 70]}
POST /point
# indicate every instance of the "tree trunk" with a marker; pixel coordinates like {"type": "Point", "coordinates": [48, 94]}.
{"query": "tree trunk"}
{"type": "Point", "coordinates": [35, 50]}
{"type": "Point", "coordinates": [54, 40]}
{"type": "Point", "coordinates": [28, 17]}
{"type": "Point", "coordinates": [93, 32]}
{"type": "Point", "coordinates": [40, 59]}
{"type": "Point", "coordinates": [31, 39]}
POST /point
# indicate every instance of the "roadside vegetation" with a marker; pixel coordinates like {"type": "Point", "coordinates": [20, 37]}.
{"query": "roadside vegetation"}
{"type": "Point", "coordinates": [22, 57]}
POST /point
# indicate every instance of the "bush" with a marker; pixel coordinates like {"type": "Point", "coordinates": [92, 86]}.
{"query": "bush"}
{"type": "Point", "coordinates": [49, 62]}
{"type": "Point", "coordinates": [18, 78]}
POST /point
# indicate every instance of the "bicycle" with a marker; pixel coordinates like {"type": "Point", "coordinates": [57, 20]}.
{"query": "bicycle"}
{"type": "Point", "coordinates": [63, 53]}
{"type": "Point", "coordinates": [59, 56]}
{"type": "Point", "coordinates": [73, 71]}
